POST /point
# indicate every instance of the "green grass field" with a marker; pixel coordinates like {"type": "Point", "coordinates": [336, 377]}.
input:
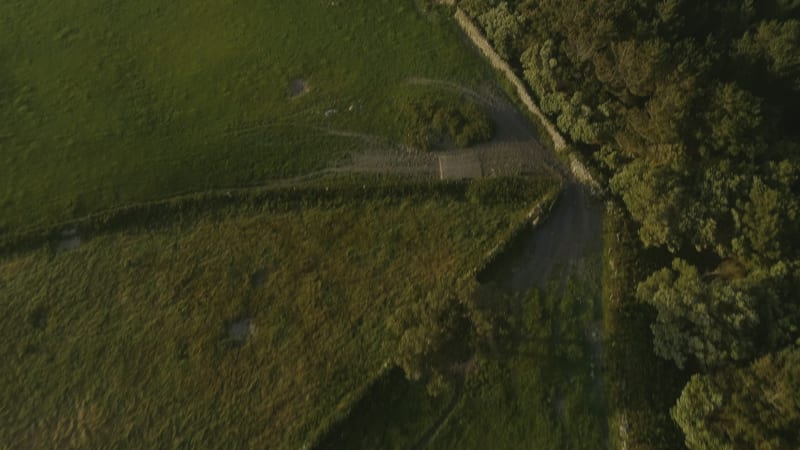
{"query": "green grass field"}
{"type": "Point", "coordinates": [105, 102]}
{"type": "Point", "coordinates": [245, 328]}
{"type": "Point", "coordinates": [546, 393]}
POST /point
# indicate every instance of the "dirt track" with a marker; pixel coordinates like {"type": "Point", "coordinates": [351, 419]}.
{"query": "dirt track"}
{"type": "Point", "coordinates": [571, 232]}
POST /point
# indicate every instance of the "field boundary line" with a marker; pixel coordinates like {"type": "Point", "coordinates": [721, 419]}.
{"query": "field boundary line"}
{"type": "Point", "coordinates": [325, 187]}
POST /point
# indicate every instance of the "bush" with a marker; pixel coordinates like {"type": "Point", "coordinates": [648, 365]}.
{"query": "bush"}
{"type": "Point", "coordinates": [434, 120]}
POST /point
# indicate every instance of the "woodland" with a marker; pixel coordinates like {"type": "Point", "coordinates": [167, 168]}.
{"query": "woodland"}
{"type": "Point", "coordinates": [689, 109]}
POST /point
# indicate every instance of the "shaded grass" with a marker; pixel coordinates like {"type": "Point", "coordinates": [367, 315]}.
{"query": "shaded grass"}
{"type": "Point", "coordinates": [546, 393]}
{"type": "Point", "coordinates": [390, 415]}
{"type": "Point", "coordinates": [543, 393]}
{"type": "Point", "coordinates": [124, 341]}
{"type": "Point", "coordinates": [104, 102]}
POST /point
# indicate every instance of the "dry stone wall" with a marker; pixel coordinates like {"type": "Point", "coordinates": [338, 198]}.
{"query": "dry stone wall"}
{"type": "Point", "coordinates": [476, 36]}
{"type": "Point", "coordinates": [578, 169]}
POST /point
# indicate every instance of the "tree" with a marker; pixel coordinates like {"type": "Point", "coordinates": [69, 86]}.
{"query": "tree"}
{"type": "Point", "coordinates": [767, 223]}
{"type": "Point", "coordinates": [756, 407]}
{"type": "Point", "coordinates": [432, 335]}
{"type": "Point", "coordinates": [544, 67]}
{"type": "Point", "coordinates": [706, 323]}
{"type": "Point", "coordinates": [692, 107]}
{"type": "Point", "coordinates": [639, 65]}
{"type": "Point", "coordinates": [475, 8]}
{"type": "Point", "coordinates": [656, 198]}
{"type": "Point", "coordinates": [776, 46]}
{"type": "Point", "coordinates": [734, 117]}
{"type": "Point", "coordinates": [503, 28]}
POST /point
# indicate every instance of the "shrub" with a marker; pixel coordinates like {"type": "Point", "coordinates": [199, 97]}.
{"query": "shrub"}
{"type": "Point", "coordinates": [435, 120]}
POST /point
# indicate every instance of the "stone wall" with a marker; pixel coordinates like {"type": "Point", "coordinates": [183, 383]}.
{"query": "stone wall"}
{"type": "Point", "coordinates": [576, 167]}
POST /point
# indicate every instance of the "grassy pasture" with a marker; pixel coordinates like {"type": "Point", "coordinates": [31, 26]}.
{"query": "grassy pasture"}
{"type": "Point", "coordinates": [105, 102]}
{"type": "Point", "coordinates": [130, 339]}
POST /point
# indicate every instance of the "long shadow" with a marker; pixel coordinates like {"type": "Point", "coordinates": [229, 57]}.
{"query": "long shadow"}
{"type": "Point", "coordinates": [385, 417]}
{"type": "Point", "coordinates": [430, 433]}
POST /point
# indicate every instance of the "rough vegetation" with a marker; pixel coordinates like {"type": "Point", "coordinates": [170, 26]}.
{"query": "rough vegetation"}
{"type": "Point", "coordinates": [253, 326]}
{"type": "Point", "coordinates": [536, 384]}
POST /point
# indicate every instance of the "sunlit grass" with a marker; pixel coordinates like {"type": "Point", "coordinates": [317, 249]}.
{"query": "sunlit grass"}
{"type": "Point", "coordinates": [126, 340]}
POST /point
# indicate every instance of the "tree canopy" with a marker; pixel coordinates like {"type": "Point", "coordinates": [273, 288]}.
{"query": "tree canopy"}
{"type": "Point", "coordinates": [690, 109]}
{"type": "Point", "coordinates": [756, 407]}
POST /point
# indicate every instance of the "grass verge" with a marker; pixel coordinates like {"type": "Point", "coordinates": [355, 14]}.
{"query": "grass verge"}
{"type": "Point", "coordinates": [642, 387]}
{"type": "Point", "coordinates": [547, 393]}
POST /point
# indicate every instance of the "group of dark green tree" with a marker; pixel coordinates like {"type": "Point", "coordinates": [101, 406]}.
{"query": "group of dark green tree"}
{"type": "Point", "coordinates": [692, 110]}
